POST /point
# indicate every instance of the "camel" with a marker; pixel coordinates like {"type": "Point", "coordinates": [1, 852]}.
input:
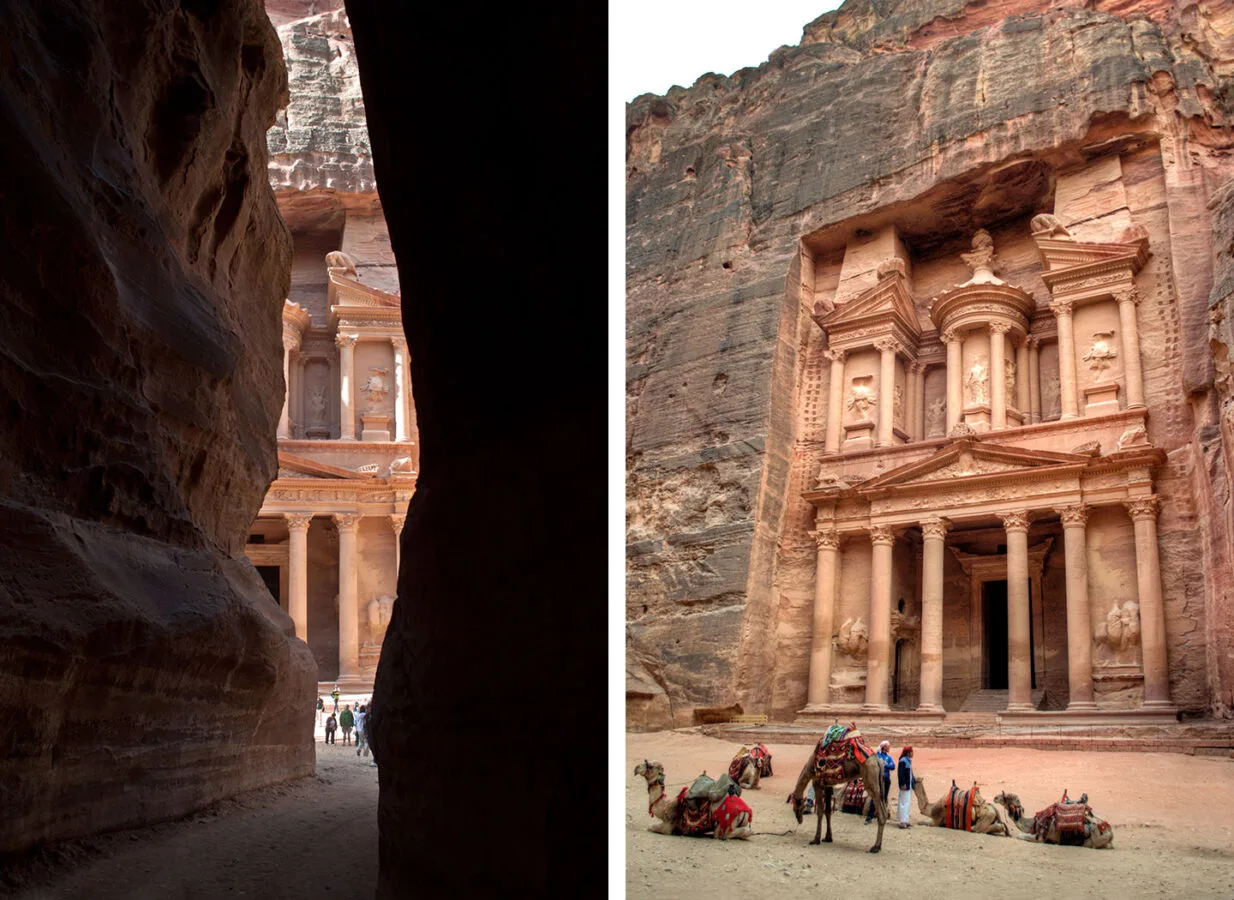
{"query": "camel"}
{"type": "Point", "coordinates": [871, 774]}
{"type": "Point", "coordinates": [988, 818]}
{"type": "Point", "coordinates": [1097, 832]}
{"type": "Point", "coordinates": [744, 770]}
{"type": "Point", "coordinates": [670, 812]}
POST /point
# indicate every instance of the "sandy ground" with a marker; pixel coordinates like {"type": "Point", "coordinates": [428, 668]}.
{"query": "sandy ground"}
{"type": "Point", "coordinates": [1173, 819]}
{"type": "Point", "coordinates": [315, 837]}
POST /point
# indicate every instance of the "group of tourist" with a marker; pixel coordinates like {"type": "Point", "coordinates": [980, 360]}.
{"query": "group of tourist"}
{"type": "Point", "coordinates": [347, 721]}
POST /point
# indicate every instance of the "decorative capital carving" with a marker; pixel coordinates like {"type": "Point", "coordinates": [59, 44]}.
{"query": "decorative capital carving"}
{"type": "Point", "coordinates": [1033, 342]}
{"type": "Point", "coordinates": [917, 368]}
{"type": "Point", "coordinates": [346, 341]}
{"type": "Point", "coordinates": [835, 355]}
{"type": "Point", "coordinates": [1143, 508]}
{"type": "Point", "coordinates": [889, 267]}
{"type": "Point", "coordinates": [999, 328]}
{"type": "Point", "coordinates": [346, 522]}
{"type": "Point", "coordinates": [291, 336]}
{"type": "Point", "coordinates": [882, 534]}
{"type": "Point", "coordinates": [397, 522]}
{"type": "Point", "coordinates": [951, 336]}
{"type": "Point", "coordinates": [826, 538]}
{"type": "Point", "coordinates": [1074, 516]}
{"type": "Point", "coordinates": [935, 529]}
{"type": "Point", "coordinates": [887, 345]}
{"type": "Point", "coordinates": [298, 521]}
{"type": "Point", "coordinates": [1015, 521]}
{"type": "Point", "coordinates": [399, 342]}
{"type": "Point", "coordinates": [1061, 309]}
{"type": "Point", "coordinates": [1131, 295]}
{"type": "Point", "coordinates": [961, 430]}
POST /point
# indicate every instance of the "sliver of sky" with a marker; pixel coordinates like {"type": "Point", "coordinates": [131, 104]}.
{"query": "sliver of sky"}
{"type": "Point", "coordinates": [655, 45]}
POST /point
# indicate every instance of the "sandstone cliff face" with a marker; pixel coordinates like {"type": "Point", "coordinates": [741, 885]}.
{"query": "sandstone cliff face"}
{"type": "Point", "coordinates": [959, 114]}
{"type": "Point", "coordinates": [146, 672]}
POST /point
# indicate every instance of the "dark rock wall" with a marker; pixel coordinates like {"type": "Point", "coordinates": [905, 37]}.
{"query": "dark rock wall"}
{"type": "Point", "coordinates": [883, 102]}
{"type": "Point", "coordinates": [145, 671]}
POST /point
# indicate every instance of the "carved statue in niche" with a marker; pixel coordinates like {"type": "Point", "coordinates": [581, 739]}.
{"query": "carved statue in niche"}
{"type": "Point", "coordinates": [1122, 627]}
{"type": "Point", "coordinates": [1009, 364]}
{"type": "Point", "coordinates": [904, 627]}
{"type": "Point", "coordinates": [976, 382]}
{"type": "Point", "coordinates": [863, 397]}
{"type": "Point", "coordinates": [936, 416]}
{"type": "Point", "coordinates": [317, 400]}
{"type": "Point", "coordinates": [1100, 353]}
{"type": "Point", "coordinates": [898, 407]}
{"type": "Point", "coordinates": [854, 638]}
{"type": "Point", "coordinates": [1050, 396]}
{"type": "Point", "coordinates": [375, 388]}
{"type": "Point", "coordinates": [379, 610]}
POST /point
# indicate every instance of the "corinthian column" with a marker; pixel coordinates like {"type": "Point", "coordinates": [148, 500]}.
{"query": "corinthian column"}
{"type": "Point", "coordinates": [835, 400]}
{"type": "Point", "coordinates": [998, 375]}
{"type": "Point", "coordinates": [1127, 303]}
{"type": "Point", "coordinates": [297, 570]}
{"type": "Point", "coordinates": [400, 392]}
{"type": "Point", "coordinates": [348, 602]}
{"type": "Point", "coordinates": [886, 391]}
{"type": "Point", "coordinates": [1034, 378]}
{"type": "Point", "coordinates": [1066, 359]}
{"type": "Point", "coordinates": [1021, 381]}
{"type": "Point", "coordinates": [955, 378]}
{"type": "Point", "coordinates": [934, 533]}
{"type": "Point", "coordinates": [347, 418]}
{"type": "Point", "coordinates": [1019, 621]}
{"type": "Point", "coordinates": [826, 573]}
{"type": "Point", "coordinates": [916, 406]}
{"type": "Point", "coordinates": [291, 341]}
{"type": "Point", "coordinates": [1079, 624]}
{"type": "Point", "coordinates": [396, 522]}
{"type": "Point", "coordinates": [1143, 513]}
{"type": "Point", "coordinates": [879, 647]}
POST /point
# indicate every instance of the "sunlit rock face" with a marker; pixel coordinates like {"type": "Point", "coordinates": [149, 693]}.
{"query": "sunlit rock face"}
{"type": "Point", "coordinates": [146, 672]}
{"type": "Point", "coordinates": [935, 120]}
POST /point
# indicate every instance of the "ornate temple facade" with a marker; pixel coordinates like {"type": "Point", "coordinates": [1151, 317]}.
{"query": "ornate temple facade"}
{"type": "Point", "coordinates": [985, 522]}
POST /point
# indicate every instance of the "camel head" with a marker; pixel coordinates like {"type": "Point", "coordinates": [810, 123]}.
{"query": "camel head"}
{"type": "Point", "coordinates": [797, 804]}
{"type": "Point", "coordinates": [1011, 802]}
{"type": "Point", "coordinates": [919, 792]}
{"type": "Point", "coordinates": [651, 770]}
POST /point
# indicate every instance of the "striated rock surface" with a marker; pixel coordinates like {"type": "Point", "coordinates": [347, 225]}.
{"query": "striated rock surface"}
{"type": "Point", "coordinates": [947, 116]}
{"type": "Point", "coordinates": [145, 671]}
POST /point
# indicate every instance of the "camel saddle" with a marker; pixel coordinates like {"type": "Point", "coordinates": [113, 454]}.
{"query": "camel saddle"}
{"type": "Point", "coordinates": [762, 758]}
{"type": "Point", "coordinates": [958, 808]}
{"type": "Point", "coordinates": [739, 761]}
{"type": "Point", "coordinates": [839, 744]}
{"type": "Point", "coordinates": [1071, 819]}
{"type": "Point", "coordinates": [696, 803]}
{"type": "Point", "coordinates": [854, 800]}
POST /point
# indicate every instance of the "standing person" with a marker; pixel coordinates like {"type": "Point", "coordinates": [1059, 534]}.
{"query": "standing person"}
{"type": "Point", "coordinates": [907, 783]}
{"type": "Point", "coordinates": [347, 721]}
{"type": "Point", "coordinates": [331, 725]}
{"type": "Point", "coordinates": [889, 764]}
{"type": "Point", "coordinates": [335, 694]}
{"type": "Point", "coordinates": [321, 708]}
{"type": "Point", "coordinates": [361, 740]}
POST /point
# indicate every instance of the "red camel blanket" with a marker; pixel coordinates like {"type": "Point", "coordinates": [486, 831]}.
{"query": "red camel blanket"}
{"type": "Point", "coordinates": [958, 808]}
{"type": "Point", "coordinates": [729, 809]}
{"type": "Point", "coordinates": [836, 747]}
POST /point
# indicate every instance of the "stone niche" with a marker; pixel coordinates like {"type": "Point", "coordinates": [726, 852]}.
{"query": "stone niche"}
{"type": "Point", "coordinates": [146, 672]}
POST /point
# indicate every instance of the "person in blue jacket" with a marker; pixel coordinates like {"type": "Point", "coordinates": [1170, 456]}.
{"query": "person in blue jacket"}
{"type": "Point", "coordinates": [884, 756]}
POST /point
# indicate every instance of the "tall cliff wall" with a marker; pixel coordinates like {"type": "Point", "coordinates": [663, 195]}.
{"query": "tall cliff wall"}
{"type": "Point", "coordinates": [951, 114]}
{"type": "Point", "coordinates": [145, 671]}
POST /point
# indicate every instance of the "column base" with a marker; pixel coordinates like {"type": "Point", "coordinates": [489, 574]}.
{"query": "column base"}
{"type": "Point", "coordinates": [1081, 706]}
{"type": "Point", "coordinates": [1164, 706]}
{"type": "Point", "coordinates": [1020, 708]}
{"type": "Point", "coordinates": [874, 708]}
{"type": "Point", "coordinates": [930, 708]}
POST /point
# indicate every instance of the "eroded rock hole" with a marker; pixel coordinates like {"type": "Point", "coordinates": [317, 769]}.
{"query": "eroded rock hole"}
{"type": "Point", "coordinates": [720, 383]}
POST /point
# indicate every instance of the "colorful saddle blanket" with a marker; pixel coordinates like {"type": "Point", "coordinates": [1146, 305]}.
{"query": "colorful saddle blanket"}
{"type": "Point", "coordinates": [762, 756]}
{"type": "Point", "coordinates": [854, 800]}
{"type": "Point", "coordinates": [1071, 819]}
{"type": "Point", "coordinates": [693, 816]}
{"type": "Point", "coordinates": [726, 813]}
{"type": "Point", "coordinates": [958, 808]}
{"type": "Point", "coordinates": [840, 743]}
{"type": "Point", "coordinates": [739, 761]}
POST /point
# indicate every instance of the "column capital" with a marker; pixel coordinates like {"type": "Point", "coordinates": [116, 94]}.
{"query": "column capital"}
{"type": "Point", "coordinates": [888, 345]}
{"type": "Point", "coordinates": [397, 522]}
{"type": "Point", "coordinates": [1074, 516]}
{"type": "Point", "coordinates": [1143, 507]}
{"type": "Point", "coordinates": [398, 341]}
{"type": "Point", "coordinates": [1061, 309]}
{"type": "Point", "coordinates": [935, 529]}
{"type": "Point", "coordinates": [346, 522]}
{"type": "Point", "coordinates": [298, 521]}
{"type": "Point", "coordinates": [882, 534]}
{"type": "Point", "coordinates": [917, 367]}
{"type": "Point", "coordinates": [1033, 341]}
{"type": "Point", "coordinates": [1016, 521]}
{"type": "Point", "coordinates": [835, 354]}
{"type": "Point", "coordinates": [1130, 295]}
{"type": "Point", "coordinates": [999, 328]}
{"type": "Point", "coordinates": [826, 538]}
{"type": "Point", "coordinates": [346, 341]}
{"type": "Point", "coordinates": [952, 336]}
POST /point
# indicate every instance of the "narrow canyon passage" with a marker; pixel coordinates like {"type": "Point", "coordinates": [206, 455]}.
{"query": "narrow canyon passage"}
{"type": "Point", "coordinates": [314, 837]}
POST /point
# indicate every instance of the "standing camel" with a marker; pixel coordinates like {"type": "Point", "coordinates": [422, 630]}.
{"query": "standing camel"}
{"type": "Point", "coordinates": [825, 781]}
{"type": "Point", "coordinates": [987, 818]}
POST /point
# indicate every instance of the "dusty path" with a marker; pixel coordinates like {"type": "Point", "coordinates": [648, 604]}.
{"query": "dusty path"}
{"type": "Point", "coordinates": [1153, 800]}
{"type": "Point", "coordinates": [316, 837]}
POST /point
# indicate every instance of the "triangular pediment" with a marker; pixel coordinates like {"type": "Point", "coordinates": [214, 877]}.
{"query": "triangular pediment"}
{"type": "Point", "coordinates": [1061, 255]}
{"type": "Point", "coordinates": [889, 299]}
{"type": "Point", "coordinates": [345, 291]}
{"type": "Point", "coordinates": [971, 458]}
{"type": "Point", "coordinates": [292, 466]}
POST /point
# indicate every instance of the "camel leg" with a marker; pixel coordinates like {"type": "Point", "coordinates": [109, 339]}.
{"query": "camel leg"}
{"type": "Point", "coordinates": [661, 827]}
{"type": "Point", "coordinates": [874, 788]}
{"type": "Point", "coordinates": [827, 795]}
{"type": "Point", "coordinates": [818, 814]}
{"type": "Point", "coordinates": [743, 830]}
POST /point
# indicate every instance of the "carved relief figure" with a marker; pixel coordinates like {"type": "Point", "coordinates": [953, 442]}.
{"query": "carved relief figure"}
{"type": "Point", "coordinates": [976, 382]}
{"type": "Point", "coordinates": [1122, 626]}
{"type": "Point", "coordinates": [936, 416]}
{"type": "Point", "coordinates": [853, 638]}
{"type": "Point", "coordinates": [863, 397]}
{"type": "Point", "coordinates": [337, 259]}
{"type": "Point", "coordinates": [1050, 397]}
{"type": "Point", "coordinates": [1048, 225]}
{"type": "Point", "coordinates": [317, 400]}
{"type": "Point", "coordinates": [1101, 352]}
{"type": "Point", "coordinates": [898, 408]}
{"type": "Point", "coordinates": [375, 388]}
{"type": "Point", "coordinates": [1010, 380]}
{"type": "Point", "coordinates": [379, 610]}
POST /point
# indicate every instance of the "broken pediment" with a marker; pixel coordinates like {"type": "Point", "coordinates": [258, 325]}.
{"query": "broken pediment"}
{"type": "Point", "coordinates": [888, 304]}
{"type": "Point", "coordinates": [292, 466]}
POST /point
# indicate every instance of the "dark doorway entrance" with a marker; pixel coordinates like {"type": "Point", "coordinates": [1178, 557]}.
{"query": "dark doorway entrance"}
{"type": "Point", "coordinates": [994, 638]}
{"type": "Point", "coordinates": [270, 575]}
{"type": "Point", "coordinates": [897, 672]}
